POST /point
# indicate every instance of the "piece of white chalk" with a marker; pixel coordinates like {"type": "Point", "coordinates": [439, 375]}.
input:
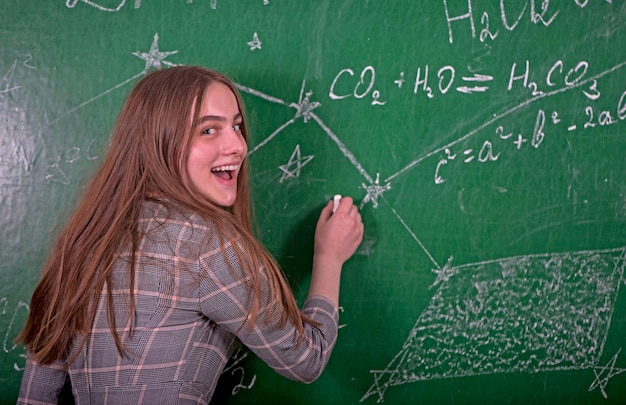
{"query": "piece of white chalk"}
{"type": "Point", "coordinates": [336, 199]}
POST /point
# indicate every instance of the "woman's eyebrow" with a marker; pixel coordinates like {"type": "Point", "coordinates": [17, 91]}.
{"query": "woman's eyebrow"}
{"type": "Point", "coordinates": [206, 118]}
{"type": "Point", "coordinates": [218, 118]}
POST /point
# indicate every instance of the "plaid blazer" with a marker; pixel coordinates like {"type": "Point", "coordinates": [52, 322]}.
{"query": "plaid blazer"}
{"type": "Point", "coordinates": [190, 301]}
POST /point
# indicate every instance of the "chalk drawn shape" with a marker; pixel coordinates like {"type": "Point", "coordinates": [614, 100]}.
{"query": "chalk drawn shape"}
{"type": "Point", "coordinates": [255, 43]}
{"type": "Point", "coordinates": [604, 373]}
{"type": "Point", "coordinates": [532, 313]}
{"type": "Point", "coordinates": [373, 191]}
{"type": "Point", "coordinates": [102, 5]}
{"type": "Point", "coordinates": [155, 57]}
{"type": "Point", "coordinates": [291, 169]}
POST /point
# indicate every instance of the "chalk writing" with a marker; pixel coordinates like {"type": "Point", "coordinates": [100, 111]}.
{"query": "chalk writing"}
{"type": "Point", "coordinates": [103, 5]}
{"type": "Point", "coordinates": [21, 309]}
{"type": "Point", "coordinates": [240, 385]}
{"type": "Point", "coordinates": [461, 13]}
{"type": "Point", "coordinates": [6, 84]}
{"type": "Point", "coordinates": [26, 62]}
{"type": "Point", "coordinates": [97, 5]}
{"type": "Point", "coordinates": [363, 87]}
{"type": "Point", "coordinates": [579, 83]}
{"type": "Point", "coordinates": [234, 368]}
{"type": "Point", "coordinates": [57, 171]}
{"type": "Point", "coordinates": [340, 309]}
{"type": "Point", "coordinates": [447, 78]}
{"type": "Point", "coordinates": [573, 76]}
{"type": "Point", "coordinates": [486, 153]}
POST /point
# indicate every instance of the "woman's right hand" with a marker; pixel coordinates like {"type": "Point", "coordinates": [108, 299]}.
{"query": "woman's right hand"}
{"type": "Point", "coordinates": [337, 236]}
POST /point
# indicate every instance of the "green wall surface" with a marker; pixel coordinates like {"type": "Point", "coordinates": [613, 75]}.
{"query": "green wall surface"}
{"type": "Point", "coordinates": [484, 142]}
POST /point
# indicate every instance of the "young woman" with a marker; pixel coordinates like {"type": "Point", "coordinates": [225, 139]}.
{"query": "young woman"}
{"type": "Point", "coordinates": [157, 274]}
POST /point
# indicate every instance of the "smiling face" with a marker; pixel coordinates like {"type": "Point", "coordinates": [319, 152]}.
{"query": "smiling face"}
{"type": "Point", "coordinates": [218, 147]}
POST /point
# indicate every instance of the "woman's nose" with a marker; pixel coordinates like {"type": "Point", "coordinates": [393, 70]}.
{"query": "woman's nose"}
{"type": "Point", "coordinates": [235, 143]}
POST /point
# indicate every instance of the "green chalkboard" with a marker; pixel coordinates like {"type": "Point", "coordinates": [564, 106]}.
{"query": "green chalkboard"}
{"type": "Point", "coordinates": [484, 142]}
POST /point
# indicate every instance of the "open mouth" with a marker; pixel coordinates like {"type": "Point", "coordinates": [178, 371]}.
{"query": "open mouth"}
{"type": "Point", "coordinates": [225, 172]}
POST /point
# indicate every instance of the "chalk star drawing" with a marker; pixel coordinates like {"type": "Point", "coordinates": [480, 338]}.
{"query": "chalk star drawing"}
{"type": "Point", "coordinates": [295, 160]}
{"type": "Point", "coordinates": [600, 381]}
{"type": "Point", "coordinates": [444, 273]}
{"type": "Point", "coordinates": [374, 191]}
{"type": "Point", "coordinates": [255, 43]}
{"type": "Point", "coordinates": [154, 57]}
{"type": "Point", "coordinates": [304, 107]}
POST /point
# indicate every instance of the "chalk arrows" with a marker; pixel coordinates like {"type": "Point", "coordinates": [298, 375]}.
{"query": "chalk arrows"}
{"type": "Point", "coordinates": [476, 88]}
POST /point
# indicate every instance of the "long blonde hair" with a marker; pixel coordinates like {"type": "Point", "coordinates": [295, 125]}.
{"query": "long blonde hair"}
{"type": "Point", "coordinates": [146, 157]}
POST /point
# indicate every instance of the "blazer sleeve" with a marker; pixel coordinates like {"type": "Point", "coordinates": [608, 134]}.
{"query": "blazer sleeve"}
{"type": "Point", "coordinates": [224, 298]}
{"type": "Point", "coordinates": [41, 384]}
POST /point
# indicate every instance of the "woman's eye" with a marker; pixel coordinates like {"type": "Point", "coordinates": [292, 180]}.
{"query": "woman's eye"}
{"type": "Point", "coordinates": [237, 127]}
{"type": "Point", "coordinates": [208, 131]}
